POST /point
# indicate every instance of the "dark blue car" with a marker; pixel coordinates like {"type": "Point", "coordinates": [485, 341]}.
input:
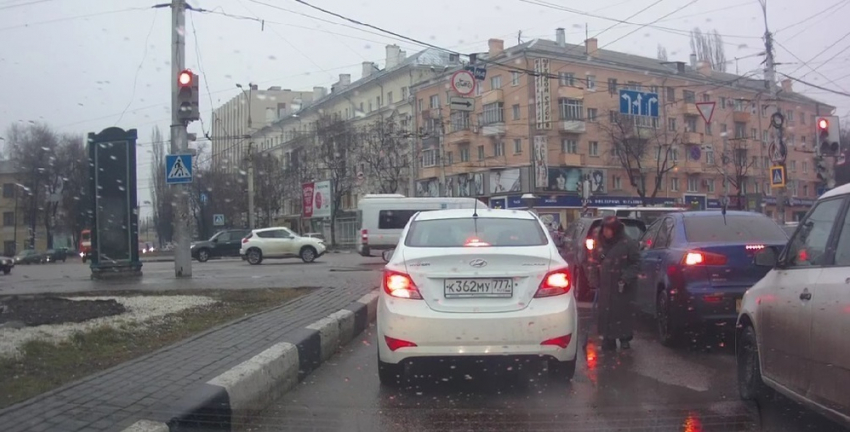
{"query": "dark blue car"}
{"type": "Point", "coordinates": [696, 266]}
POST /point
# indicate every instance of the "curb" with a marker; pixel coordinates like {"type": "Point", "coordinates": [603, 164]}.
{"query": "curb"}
{"type": "Point", "coordinates": [228, 401]}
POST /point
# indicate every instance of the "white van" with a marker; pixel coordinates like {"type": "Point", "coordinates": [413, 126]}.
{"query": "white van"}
{"type": "Point", "coordinates": [384, 216]}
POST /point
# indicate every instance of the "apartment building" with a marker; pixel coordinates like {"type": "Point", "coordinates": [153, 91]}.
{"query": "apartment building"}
{"type": "Point", "coordinates": [547, 115]}
{"type": "Point", "coordinates": [14, 233]}
{"type": "Point", "coordinates": [378, 94]}
{"type": "Point", "coordinates": [237, 118]}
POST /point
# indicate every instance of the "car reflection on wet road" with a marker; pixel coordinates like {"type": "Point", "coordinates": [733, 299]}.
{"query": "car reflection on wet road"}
{"type": "Point", "coordinates": [651, 388]}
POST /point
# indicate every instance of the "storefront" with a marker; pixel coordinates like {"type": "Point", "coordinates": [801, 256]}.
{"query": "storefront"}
{"type": "Point", "coordinates": [564, 209]}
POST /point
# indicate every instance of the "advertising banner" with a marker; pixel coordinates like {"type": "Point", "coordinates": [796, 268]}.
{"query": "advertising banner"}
{"type": "Point", "coordinates": [317, 199]}
{"type": "Point", "coordinates": [307, 204]}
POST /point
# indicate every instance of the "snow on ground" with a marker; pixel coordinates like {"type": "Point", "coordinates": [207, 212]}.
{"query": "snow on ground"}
{"type": "Point", "coordinates": [141, 311]}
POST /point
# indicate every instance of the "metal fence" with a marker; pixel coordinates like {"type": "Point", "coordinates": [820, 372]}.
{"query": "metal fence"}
{"type": "Point", "coordinates": [347, 230]}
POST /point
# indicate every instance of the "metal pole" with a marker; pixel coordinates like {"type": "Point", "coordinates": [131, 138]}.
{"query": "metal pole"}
{"type": "Point", "coordinates": [726, 159]}
{"type": "Point", "coordinates": [770, 77]}
{"type": "Point", "coordinates": [250, 161]}
{"type": "Point", "coordinates": [179, 142]}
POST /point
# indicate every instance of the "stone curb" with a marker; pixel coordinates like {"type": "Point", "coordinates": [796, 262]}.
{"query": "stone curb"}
{"type": "Point", "coordinates": [228, 401]}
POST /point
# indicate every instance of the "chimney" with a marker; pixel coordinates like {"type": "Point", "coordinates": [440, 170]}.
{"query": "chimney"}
{"type": "Point", "coordinates": [344, 80]}
{"type": "Point", "coordinates": [693, 60]}
{"type": "Point", "coordinates": [787, 86]}
{"type": "Point", "coordinates": [496, 47]}
{"type": "Point", "coordinates": [401, 56]}
{"type": "Point", "coordinates": [368, 67]}
{"type": "Point", "coordinates": [319, 92]}
{"type": "Point", "coordinates": [590, 47]}
{"type": "Point", "coordinates": [392, 56]}
{"type": "Point", "coordinates": [704, 68]}
{"type": "Point", "coordinates": [680, 67]}
{"type": "Point", "coordinates": [254, 86]}
{"type": "Point", "coordinates": [561, 37]}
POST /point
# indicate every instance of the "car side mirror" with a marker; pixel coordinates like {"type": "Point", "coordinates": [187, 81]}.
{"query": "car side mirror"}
{"type": "Point", "coordinates": [767, 258]}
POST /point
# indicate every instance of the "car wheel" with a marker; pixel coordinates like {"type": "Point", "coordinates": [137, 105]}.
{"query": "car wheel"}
{"type": "Point", "coordinates": [750, 385]}
{"type": "Point", "coordinates": [203, 255]}
{"type": "Point", "coordinates": [562, 370]}
{"type": "Point", "coordinates": [255, 257]}
{"type": "Point", "coordinates": [308, 254]}
{"type": "Point", "coordinates": [668, 335]}
{"type": "Point", "coordinates": [7, 270]}
{"type": "Point", "coordinates": [84, 260]}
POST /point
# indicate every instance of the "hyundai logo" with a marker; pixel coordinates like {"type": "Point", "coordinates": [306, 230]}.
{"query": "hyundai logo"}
{"type": "Point", "coordinates": [477, 263]}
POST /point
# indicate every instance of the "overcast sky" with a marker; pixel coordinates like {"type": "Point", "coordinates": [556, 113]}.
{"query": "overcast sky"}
{"type": "Point", "coordinates": [84, 65]}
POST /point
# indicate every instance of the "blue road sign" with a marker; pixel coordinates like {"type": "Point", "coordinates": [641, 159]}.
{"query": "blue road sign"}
{"type": "Point", "coordinates": [218, 219]}
{"type": "Point", "coordinates": [203, 198]}
{"type": "Point", "coordinates": [633, 102]}
{"type": "Point", "coordinates": [821, 190]}
{"type": "Point", "coordinates": [777, 176]}
{"type": "Point", "coordinates": [178, 169]}
{"type": "Point", "coordinates": [480, 73]}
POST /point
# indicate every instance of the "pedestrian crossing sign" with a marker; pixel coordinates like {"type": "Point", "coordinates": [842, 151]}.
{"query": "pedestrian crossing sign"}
{"type": "Point", "coordinates": [777, 176]}
{"type": "Point", "coordinates": [178, 169]}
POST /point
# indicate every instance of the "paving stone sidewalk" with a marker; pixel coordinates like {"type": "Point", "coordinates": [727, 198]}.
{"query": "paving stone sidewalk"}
{"type": "Point", "coordinates": [144, 388]}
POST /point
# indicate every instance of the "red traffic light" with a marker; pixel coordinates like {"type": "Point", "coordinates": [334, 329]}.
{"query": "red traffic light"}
{"type": "Point", "coordinates": [184, 79]}
{"type": "Point", "coordinates": [823, 124]}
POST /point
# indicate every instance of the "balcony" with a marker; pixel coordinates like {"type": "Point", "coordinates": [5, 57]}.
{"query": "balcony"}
{"type": "Point", "coordinates": [689, 108]}
{"type": "Point", "coordinates": [570, 92]}
{"type": "Point", "coordinates": [741, 116]}
{"type": "Point", "coordinates": [572, 126]}
{"type": "Point", "coordinates": [493, 129]}
{"type": "Point", "coordinates": [570, 159]}
{"type": "Point", "coordinates": [459, 137]}
{"type": "Point", "coordinates": [692, 138]}
{"type": "Point", "coordinates": [492, 96]}
{"type": "Point", "coordinates": [429, 172]}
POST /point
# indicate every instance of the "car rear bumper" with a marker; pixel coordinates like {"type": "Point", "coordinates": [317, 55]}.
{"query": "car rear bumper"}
{"type": "Point", "coordinates": [719, 313]}
{"type": "Point", "coordinates": [442, 334]}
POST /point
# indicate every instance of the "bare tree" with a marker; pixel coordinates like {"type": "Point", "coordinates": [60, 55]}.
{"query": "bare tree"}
{"type": "Point", "coordinates": [384, 155]}
{"type": "Point", "coordinates": [709, 48]}
{"type": "Point", "coordinates": [75, 201]}
{"type": "Point", "coordinates": [662, 53]}
{"type": "Point", "coordinates": [161, 194]}
{"type": "Point", "coordinates": [735, 166]}
{"type": "Point", "coordinates": [337, 143]}
{"type": "Point", "coordinates": [641, 150]}
{"type": "Point", "coordinates": [269, 188]}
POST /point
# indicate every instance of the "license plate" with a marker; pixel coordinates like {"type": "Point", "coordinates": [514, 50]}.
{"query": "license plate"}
{"type": "Point", "coordinates": [470, 288]}
{"type": "Point", "coordinates": [738, 305]}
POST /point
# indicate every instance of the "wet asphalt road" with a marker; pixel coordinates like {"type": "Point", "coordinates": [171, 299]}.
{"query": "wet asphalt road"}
{"type": "Point", "coordinates": [650, 388]}
{"type": "Point", "coordinates": [335, 269]}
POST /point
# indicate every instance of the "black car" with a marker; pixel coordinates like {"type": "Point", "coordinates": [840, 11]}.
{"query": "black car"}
{"type": "Point", "coordinates": [579, 239]}
{"type": "Point", "coordinates": [30, 256]}
{"type": "Point", "coordinates": [54, 255]}
{"type": "Point", "coordinates": [223, 244]}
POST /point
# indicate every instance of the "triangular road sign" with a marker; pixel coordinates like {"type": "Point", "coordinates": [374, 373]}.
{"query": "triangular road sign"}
{"type": "Point", "coordinates": [706, 110]}
{"type": "Point", "coordinates": [178, 170]}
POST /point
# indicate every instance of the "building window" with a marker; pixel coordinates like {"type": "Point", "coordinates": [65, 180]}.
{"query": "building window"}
{"type": "Point", "coordinates": [634, 85]}
{"type": "Point", "coordinates": [793, 165]}
{"type": "Point", "coordinates": [671, 94]}
{"type": "Point", "coordinates": [674, 154]}
{"type": "Point", "coordinates": [671, 124]}
{"type": "Point", "coordinates": [378, 101]}
{"type": "Point", "coordinates": [805, 167]}
{"type": "Point", "coordinates": [693, 184]}
{"type": "Point", "coordinates": [464, 153]}
{"type": "Point", "coordinates": [723, 102]}
{"type": "Point", "coordinates": [593, 148]}
{"type": "Point", "coordinates": [370, 106]}
{"type": "Point", "coordinates": [517, 146]}
{"type": "Point", "coordinates": [8, 190]}
{"type": "Point", "coordinates": [435, 101]}
{"type": "Point", "coordinates": [479, 88]}
{"type": "Point", "coordinates": [496, 82]}
{"type": "Point", "coordinates": [689, 96]}
{"type": "Point", "coordinates": [591, 115]}
{"type": "Point", "coordinates": [8, 218]}
{"type": "Point", "coordinates": [571, 109]}
{"type": "Point", "coordinates": [389, 97]}
{"type": "Point", "coordinates": [514, 79]}
{"type": "Point", "coordinates": [420, 104]}
{"type": "Point", "coordinates": [566, 79]}
{"type": "Point", "coordinates": [740, 130]}
{"type": "Point", "coordinates": [459, 120]}
{"type": "Point", "coordinates": [493, 113]}
{"type": "Point", "coordinates": [515, 111]}
{"type": "Point", "coordinates": [569, 146]}
{"type": "Point", "coordinates": [9, 248]}
{"type": "Point", "coordinates": [674, 184]}
{"type": "Point", "coordinates": [429, 158]}
{"type": "Point", "coordinates": [805, 190]}
{"type": "Point", "coordinates": [450, 158]}
{"type": "Point", "coordinates": [612, 86]}
{"type": "Point", "coordinates": [499, 149]}
{"type": "Point", "coordinates": [708, 129]}
{"type": "Point", "coordinates": [403, 94]}
{"type": "Point", "coordinates": [618, 183]}
{"type": "Point", "coordinates": [591, 82]}
{"type": "Point", "coordinates": [709, 185]}
{"type": "Point", "coordinates": [706, 97]}
{"type": "Point", "coordinates": [481, 152]}
{"type": "Point", "coordinates": [690, 123]}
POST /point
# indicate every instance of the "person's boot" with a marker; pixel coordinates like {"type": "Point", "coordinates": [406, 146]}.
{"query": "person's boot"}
{"type": "Point", "coordinates": [609, 345]}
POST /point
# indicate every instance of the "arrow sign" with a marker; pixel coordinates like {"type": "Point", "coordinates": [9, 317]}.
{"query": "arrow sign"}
{"type": "Point", "coordinates": [461, 104]}
{"type": "Point", "coordinates": [706, 110]}
{"type": "Point", "coordinates": [633, 102]}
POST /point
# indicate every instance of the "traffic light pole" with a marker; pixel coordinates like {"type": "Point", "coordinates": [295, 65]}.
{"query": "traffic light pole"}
{"type": "Point", "coordinates": [179, 143]}
{"type": "Point", "coordinates": [770, 77]}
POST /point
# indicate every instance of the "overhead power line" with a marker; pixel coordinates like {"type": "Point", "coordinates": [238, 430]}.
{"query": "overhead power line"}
{"type": "Point", "coordinates": [815, 85]}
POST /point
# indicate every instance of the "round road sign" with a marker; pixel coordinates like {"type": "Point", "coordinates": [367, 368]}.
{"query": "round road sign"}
{"type": "Point", "coordinates": [463, 82]}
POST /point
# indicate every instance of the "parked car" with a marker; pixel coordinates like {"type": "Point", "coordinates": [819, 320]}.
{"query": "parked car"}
{"type": "Point", "coordinates": [792, 332]}
{"type": "Point", "coordinates": [29, 256]}
{"type": "Point", "coordinates": [579, 240]}
{"type": "Point", "coordinates": [464, 283]}
{"type": "Point", "coordinates": [696, 266]}
{"type": "Point", "coordinates": [223, 244]}
{"type": "Point", "coordinates": [280, 242]}
{"type": "Point", "coordinates": [6, 264]}
{"type": "Point", "coordinates": [55, 255]}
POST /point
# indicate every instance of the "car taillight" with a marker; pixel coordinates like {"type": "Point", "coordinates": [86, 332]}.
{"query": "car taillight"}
{"type": "Point", "coordinates": [554, 283]}
{"type": "Point", "coordinates": [589, 244]}
{"type": "Point", "coordinates": [475, 242]}
{"type": "Point", "coordinates": [245, 240]}
{"type": "Point", "coordinates": [364, 235]}
{"type": "Point", "coordinates": [400, 285]}
{"type": "Point", "coordinates": [703, 258]}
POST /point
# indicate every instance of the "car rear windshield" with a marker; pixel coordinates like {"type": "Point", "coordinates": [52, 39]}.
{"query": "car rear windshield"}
{"type": "Point", "coordinates": [736, 228]}
{"type": "Point", "coordinates": [633, 229]}
{"type": "Point", "coordinates": [460, 232]}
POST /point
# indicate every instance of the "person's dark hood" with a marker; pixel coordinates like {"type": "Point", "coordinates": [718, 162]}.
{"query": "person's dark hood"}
{"type": "Point", "coordinates": [615, 225]}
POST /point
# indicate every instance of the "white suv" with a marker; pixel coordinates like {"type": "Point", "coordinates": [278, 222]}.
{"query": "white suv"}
{"type": "Point", "coordinates": [280, 242]}
{"type": "Point", "coordinates": [793, 332]}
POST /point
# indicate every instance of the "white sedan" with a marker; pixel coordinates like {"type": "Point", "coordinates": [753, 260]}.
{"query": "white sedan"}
{"type": "Point", "coordinates": [467, 283]}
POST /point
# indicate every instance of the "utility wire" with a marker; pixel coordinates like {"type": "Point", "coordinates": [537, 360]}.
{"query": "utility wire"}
{"type": "Point", "coordinates": [823, 51]}
{"type": "Point", "coordinates": [815, 85]}
{"type": "Point", "coordinates": [139, 68]}
{"type": "Point", "coordinates": [71, 18]}
{"type": "Point", "coordinates": [23, 4]}
{"type": "Point", "coordinates": [814, 69]}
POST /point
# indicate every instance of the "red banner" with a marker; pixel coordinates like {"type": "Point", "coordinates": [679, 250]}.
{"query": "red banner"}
{"type": "Point", "coordinates": [307, 202]}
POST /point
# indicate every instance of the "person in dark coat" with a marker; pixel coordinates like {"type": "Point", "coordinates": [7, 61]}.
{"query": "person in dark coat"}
{"type": "Point", "coordinates": [615, 265]}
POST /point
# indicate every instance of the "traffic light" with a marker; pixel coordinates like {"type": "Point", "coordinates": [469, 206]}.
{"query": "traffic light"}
{"type": "Point", "coordinates": [828, 135]}
{"type": "Point", "coordinates": [188, 91]}
{"type": "Point", "coordinates": [820, 169]}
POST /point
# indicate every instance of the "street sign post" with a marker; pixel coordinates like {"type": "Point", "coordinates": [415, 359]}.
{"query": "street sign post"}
{"type": "Point", "coordinates": [218, 220]}
{"type": "Point", "coordinates": [706, 110]}
{"type": "Point", "coordinates": [463, 82]}
{"type": "Point", "coordinates": [480, 73]}
{"type": "Point", "coordinates": [178, 169]}
{"type": "Point", "coordinates": [633, 102]}
{"type": "Point", "coordinates": [777, 176]}
{"type": "Point", "coordinates": [461, 104]}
